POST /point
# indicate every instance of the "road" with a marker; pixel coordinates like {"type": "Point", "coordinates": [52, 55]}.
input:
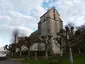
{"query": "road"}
{"type": "Point", "coordinates": [8, 62]}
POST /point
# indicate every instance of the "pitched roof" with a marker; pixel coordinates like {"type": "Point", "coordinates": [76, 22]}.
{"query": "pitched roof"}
{"type": "Point", "coordinates": [35, 33]}
{"type": "Point", "coordinates": [49, 10]}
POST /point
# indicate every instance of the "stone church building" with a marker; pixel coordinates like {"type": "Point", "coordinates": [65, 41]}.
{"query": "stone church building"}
{"type": "Point", "coordinates": [49, 25]}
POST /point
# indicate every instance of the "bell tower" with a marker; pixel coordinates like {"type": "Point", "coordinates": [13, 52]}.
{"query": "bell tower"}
{"type": "Point", "coordinates": [50, 23]}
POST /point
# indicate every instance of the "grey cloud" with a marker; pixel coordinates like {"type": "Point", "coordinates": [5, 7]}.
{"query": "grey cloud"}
{"type": "Point", "coordinates": [16, 14]}
{"type": "Point", "coordinates": [71, 10]}
{"type": "Point", "coordinates": [5, 5]}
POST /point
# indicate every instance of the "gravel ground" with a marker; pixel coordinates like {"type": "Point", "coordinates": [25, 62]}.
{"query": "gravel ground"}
{"type": "Point", "coordinates": [9, 62]}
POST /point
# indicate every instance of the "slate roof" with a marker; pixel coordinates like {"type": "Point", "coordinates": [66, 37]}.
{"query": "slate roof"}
{"type": "Point", "coordinates": [34, 36]}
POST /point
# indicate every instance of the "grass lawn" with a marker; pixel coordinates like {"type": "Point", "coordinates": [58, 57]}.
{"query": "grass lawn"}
{"type": "Point", "coordinates": [78, 59]}
{"type": "Point", "coordinates": [39, 61]}
{"type": "Point", "coordinates": [31, 61]}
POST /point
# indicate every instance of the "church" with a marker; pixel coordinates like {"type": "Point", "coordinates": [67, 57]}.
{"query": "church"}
{"type": "Point", "coordinates": [49, 25]}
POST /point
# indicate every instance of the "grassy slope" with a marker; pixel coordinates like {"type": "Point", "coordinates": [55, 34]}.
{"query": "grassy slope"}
{"type": "Point", "coordinates": [78, 59]}
{"type": "Point", "coordinates": [31, 61]}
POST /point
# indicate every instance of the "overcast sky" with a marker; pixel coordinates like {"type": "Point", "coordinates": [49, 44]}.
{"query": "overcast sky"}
{"type": "Point", "coordinates": [25, 14]}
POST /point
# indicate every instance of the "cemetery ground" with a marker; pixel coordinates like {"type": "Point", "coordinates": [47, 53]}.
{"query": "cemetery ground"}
{"type": "Point", "coordinates": [77, 59]}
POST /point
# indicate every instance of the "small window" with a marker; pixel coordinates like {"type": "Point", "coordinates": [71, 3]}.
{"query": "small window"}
{"type": "Point", "coordinates": [54, 16]}
{"type": "Point", "coordinates": [53, 10]}
{"type": "Point", "coordinates": [54, 13]}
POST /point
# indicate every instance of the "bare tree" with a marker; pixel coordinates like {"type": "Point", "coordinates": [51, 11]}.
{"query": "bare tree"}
{"type": "Point", "coordinates": [28, 44]}
{"type": "Point", "coordinates": [44, 39]}
{"type": "Point", "coordinates": [15, 35]}
{"type": "Point", "coordinates": [20, 43]}
{"type": "Point", "coordinates": [6, 47]}
{"type": "Point", "coordinates": [12, 47]}
{"type": "Point", "coordinates": [67, 36]}
{"type": "Point", "coordinates": [59, 41]}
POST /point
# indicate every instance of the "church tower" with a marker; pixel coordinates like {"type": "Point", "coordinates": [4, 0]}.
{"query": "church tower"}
{"type": "Point", "coordinates": [50, 24]}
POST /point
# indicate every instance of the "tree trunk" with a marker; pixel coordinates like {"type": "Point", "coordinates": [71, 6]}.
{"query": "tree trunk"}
{"type": "Point", "coordinates": [20, 52]}
{"type": "Point", "coordinates": [84, 49]}
{"type": "Point", "coordinates": [29, 52]}
{"type": "Point", "coordinates": [12, 53]}
{"type": "Point", "coordinates": [46, 51]}
{"type": "Point", "coordinates": [79, 50]}
{"type": "Point", "coordinates": [70, 56]}
{"type": "Point", "coordinates": [61, 54]}
{"type": "Point", "coordinates": [50, 45]}
{"type": "Point", "coordinates": [35, 55]}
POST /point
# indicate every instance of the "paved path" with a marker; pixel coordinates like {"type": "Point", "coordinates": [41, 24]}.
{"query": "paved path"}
{"type": "Point", "coordinates": [9, 62]}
